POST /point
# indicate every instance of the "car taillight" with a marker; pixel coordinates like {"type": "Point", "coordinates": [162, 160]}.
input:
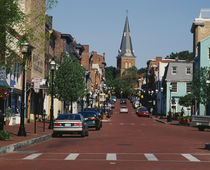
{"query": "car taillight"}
{"type": "Point", "coordinates": [93, 118]}
{"type": "Point", "coordinates": [78, 124]}
{"type": "Point", "coordinates": [57, 124]}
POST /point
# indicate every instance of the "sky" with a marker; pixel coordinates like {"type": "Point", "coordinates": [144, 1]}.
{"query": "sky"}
{"type": "Point", "coordinates": [158, 27]}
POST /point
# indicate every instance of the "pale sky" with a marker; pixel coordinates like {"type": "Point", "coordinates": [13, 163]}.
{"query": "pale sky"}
{"type": "Point", "coordinates": [158, 27]}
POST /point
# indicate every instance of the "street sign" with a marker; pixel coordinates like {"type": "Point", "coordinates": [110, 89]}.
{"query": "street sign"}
{"type": "Point", "coordinates": [36, 82]}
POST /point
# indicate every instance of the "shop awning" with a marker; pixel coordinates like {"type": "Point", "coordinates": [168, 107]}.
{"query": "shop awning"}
{"type": "Point", "coordinates": [3, 83]}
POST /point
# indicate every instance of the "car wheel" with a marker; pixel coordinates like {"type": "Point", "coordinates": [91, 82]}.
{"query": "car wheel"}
{"type": "Point", "coordinates": [201, 128]}
{"type": "Point", "coordinates": [87, 133]}
{"type": "Point", "coordinates": [54, 134]}
{"type": "Point", "coordinates": [83, 133]}
{"type": "Point", "coordinates": [97, 127]}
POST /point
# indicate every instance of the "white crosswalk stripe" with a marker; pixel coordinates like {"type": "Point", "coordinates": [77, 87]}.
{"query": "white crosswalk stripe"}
{"type": "Point", "coordinates": [190, 157]}
{"type": "Point", "coordinates": [32, 156]}
{"type": "Point", "coordinates": [111, 156]}
{"type": "Point", "coordinates": [150, 157]}
{"type": "Point", "coordinates": [72, 156]}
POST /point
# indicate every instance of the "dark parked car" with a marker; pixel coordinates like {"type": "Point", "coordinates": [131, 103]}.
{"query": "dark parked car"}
{"type": "Point", "coordinates": [70, 124]}
{"type": "Point", "coordinates": [92, 119]}
{"type": "Point", "coordinates": [94, 110]}
{"type": "Point", "coordinates": [122, 101]}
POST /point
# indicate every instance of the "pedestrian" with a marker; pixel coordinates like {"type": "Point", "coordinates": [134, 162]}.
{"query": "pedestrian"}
{"type": "Point", "coordinates": [151, 110]}
{"type": "Point", "coordinates": [182, 111]}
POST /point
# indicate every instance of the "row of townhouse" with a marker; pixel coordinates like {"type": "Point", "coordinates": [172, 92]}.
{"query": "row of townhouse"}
{"type": "Point", "coordinates": [169, 79]}
{"type": "Point", "coordinates": [48, 43]}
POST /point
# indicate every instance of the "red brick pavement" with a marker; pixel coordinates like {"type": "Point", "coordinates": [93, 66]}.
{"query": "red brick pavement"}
{"type": "Point", "coordinates": [29, 127]}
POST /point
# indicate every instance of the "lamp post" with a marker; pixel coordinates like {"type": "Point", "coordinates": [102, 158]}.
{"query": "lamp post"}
{"type": "Point", "coordinates": [26, 49]}
{"type": "Point", "coordinates": [169, 115]}
{"type": "Point", "coordinates": [52, 67]}
{"type": "Point", "coordinates": [161, 106]}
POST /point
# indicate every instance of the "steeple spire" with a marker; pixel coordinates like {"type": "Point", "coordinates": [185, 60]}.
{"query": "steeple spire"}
{"type": "Point", "coordinates": [126, 49]}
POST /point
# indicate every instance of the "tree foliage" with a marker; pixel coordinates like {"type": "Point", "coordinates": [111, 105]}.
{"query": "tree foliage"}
{"type": "Point", "coordinates": [186, 100]}
{"type": "Point", "coordinates": [141, 70]}
{"type": "Point", "coordinates": [69, 80]}
{"type": "Point", "coordinates": [125, 85]}
{"type": "Point", "coordinates": [200, 86]}
{"type": "Point", "coordinates": [183, 55]}
{"type": "Point", "coordinates": [110, 76]}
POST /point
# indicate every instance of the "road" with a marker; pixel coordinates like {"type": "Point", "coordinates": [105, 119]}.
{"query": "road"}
{"type": "Point", "coordinates": [126, 142]}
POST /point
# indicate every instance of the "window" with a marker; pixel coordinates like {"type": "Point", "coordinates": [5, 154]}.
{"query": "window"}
{"type": "Point", "coordinates": [174, 87]}
{"type": "Point", "coordinates": [209, 53]}
{"type": "Point", "coordinates": [126, 65]}
{"type": "Point", "coordinates": [188, 70]}
{"type": "Point", "coordinates": [173, 70]}
{"type": "Point", "coordinates": [189, 85]}
{"type": "Point", "coordinates": [98, 59]}
{"type": "Point", "coordinates": [130, 64]}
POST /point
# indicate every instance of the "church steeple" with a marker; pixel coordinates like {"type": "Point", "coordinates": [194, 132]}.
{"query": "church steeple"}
{"type": "Point", "coordinates": [126, 49]}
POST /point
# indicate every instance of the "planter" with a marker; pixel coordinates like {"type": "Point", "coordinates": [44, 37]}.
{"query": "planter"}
{"type": "Point", "coordinates": [6, 122]}
{"type": "Point", "coordinates": [104, 117]}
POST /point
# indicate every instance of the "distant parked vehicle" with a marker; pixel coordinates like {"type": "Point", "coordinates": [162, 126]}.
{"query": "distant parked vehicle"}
{"type": "Point", "coordinates": [142, 111]}
{"type": "Point", "coordinates": [114, 98]}
{"type": "Point", "coordinates": [92, 120]}
{"type": "Point", "coordinates": [122, 101]}
{"type": "Point", "coordinates": [95, 110]}
{"type": "Point", "coordinates": [123, 109]}
{"type": "Point", "coordinates": [70, 124]}
{"type": "Point", "coordinates": [201, 122]}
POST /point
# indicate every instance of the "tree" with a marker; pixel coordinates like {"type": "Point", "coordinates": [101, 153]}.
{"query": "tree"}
{"type": "Point", "coordinates": [14, 29]}
{"type": "Point", "coordinates": [141, 70]}
{"type": "Point", "coordinates": [69, 80]}
{"type": "Point", "coordinates": [110, 76]}
{"type": "Point", "coordinates": [201, 87]}
{"type": "Point", "coordinates": [186, 100]}
{"type": "Point", "coordinates": [183, 55]}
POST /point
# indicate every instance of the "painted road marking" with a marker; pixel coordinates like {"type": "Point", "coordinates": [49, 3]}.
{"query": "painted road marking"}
{"type": "Point", "coordinates": [122, 123]}
{"type": "Point", "coordinates": [150, 157]}
{"type": "Point", "coordinates": [111, 156]}
{"type": "Point", "coordinates": [190, 157]}
{"type": "Point", "coordinates": [72, 156]}
{"type": "Point", "coordinates": [32, 156]}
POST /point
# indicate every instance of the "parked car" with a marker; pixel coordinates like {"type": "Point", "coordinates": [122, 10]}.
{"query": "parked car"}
{"type": "Point", "coordinates": [92, 120]}
{"type": "Point", "coordinates": [95, 110]}
{"type": "Point", "coordinates": [114, 98]}
{"type": "Point", "coordinates": [136, 104]}
{"type": "Point", "coordinates": [122, 101]}
{"type": "Point", "coordinates": [142, 111]}
{"type": "Point", "coordinates": [123, 109]}
{"type": "Point", "coordinates": [70, 124]}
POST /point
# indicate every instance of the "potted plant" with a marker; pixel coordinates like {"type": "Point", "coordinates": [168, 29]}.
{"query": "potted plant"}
{"type": "Point", "coordinates": [7, 116]}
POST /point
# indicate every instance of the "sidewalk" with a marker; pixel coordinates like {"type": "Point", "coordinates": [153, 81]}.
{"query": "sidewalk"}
{"type": "Point", "coordinates": [17, 142]}
{"type": "Point", "coordinates": [164, 120]}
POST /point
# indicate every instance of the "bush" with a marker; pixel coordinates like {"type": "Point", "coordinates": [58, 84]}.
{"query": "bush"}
{"type": "Point", "coordinates": [4, 135]}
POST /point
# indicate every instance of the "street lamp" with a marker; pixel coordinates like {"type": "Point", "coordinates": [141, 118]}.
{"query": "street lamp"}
{"type": "Point", "coordinates": [52, 68]}
{"type": "Point", "coordinates": [161, 106]}
{"type": "Point", "coordinates": [26, 49]}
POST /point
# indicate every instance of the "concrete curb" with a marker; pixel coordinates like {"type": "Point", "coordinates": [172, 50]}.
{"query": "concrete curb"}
{"type": "Point", "coordinates": [13, 147]}
{"type": "Point", "coordinates": [158, 120]}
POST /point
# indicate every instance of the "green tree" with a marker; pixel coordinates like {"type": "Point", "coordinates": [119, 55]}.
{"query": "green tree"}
{"type": "Point", "coordinates": [69, 80]}
{"type": "Point", "coordinates": [201, 87]}
{"type": "Point", "coordinates": [110, 76]}
{"type": "Point", "coordinates": [186, 100]}
{"type": "Point", "coordinates": [183, 55]}
{"type": "Point", "coordinates": [141, 70]}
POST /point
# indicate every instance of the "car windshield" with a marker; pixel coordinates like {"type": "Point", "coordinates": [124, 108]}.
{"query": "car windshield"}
{"type": "Point", "coordinates": [143, 109]}
{"type": "Point", "coordinates": [124, 107]}
{"type": "Point", "coordinates": [69, 117]}
{"type": "Point", "coordinates": [88, 114]}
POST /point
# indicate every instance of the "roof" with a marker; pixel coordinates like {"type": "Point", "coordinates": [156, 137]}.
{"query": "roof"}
{"type": "Point", "coordinates": [126, 49]}
{"type": "Point", "coordinates": [180, 71]}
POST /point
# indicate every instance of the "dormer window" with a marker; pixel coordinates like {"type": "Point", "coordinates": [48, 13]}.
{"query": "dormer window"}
{"type": "Point", "coordinates": [173, 71]}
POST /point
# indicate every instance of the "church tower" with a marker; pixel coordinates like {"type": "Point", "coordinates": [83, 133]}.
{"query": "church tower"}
{"type": "Point", "coordinates": [125, 58]}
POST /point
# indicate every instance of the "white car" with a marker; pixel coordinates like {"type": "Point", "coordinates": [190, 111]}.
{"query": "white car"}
{"type": "Point", "coordinates": [123, 109]}
{"type": "Point", "coordinates": [70, 124]}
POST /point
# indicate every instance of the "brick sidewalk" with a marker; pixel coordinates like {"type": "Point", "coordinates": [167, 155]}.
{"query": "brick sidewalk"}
{"type": "Point", "coordinates": [29, 127]}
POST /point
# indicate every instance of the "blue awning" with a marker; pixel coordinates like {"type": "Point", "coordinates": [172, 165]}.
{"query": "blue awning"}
{"type": "Point", "coordinates": [3, 83]}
